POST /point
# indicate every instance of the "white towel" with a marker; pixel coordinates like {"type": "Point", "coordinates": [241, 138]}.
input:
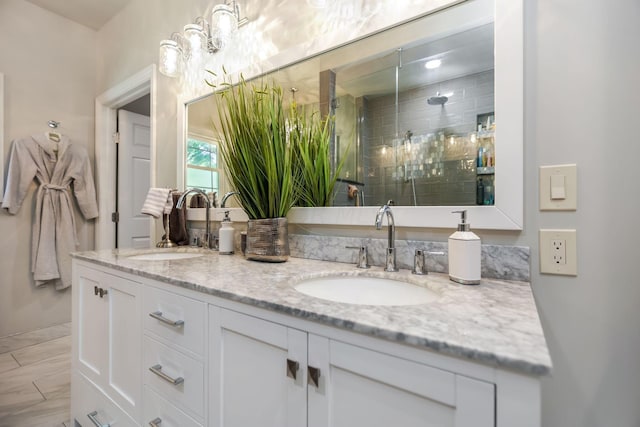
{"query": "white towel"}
{"type": "Point", "coordinates": [158, 201]}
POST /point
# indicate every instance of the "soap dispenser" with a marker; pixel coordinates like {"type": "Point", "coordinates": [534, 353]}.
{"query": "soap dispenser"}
{"type": "Point", "coordinates": [464, 253]}
{"type": "Point", "coordinates": [226, 236]}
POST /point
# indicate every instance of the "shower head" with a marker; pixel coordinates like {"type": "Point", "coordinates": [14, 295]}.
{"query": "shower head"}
{"type": "Point", "coordinates": [437, 100]}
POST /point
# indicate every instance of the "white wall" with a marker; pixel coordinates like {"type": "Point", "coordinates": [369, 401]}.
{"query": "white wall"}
{"type": "Point", "coordinates": [49, 66]}
{"type": "Point", "coordinates": [582, 91]}
{"type": "Point", "coordinates": [582, 81]}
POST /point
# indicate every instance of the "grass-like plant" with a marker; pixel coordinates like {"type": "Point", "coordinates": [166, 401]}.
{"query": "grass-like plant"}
{"type": "Point", "coordinates": [310, 136]}
{"type": "Point", "coordinates": [258, 158]}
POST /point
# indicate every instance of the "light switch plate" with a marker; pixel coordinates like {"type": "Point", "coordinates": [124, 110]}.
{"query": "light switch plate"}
{"type": "Point", "coordinates": [558, 253]}
{"type": "Point", "coordinates": [557, 175]}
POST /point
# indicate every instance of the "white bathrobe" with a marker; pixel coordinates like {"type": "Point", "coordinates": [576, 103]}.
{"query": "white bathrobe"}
{"type": "Point", "coordinates": [57, 176]}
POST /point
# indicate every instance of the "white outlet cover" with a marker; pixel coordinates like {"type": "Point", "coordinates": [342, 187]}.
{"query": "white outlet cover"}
{"type": "Point", "coordinates": [564, 179]}
{"type": "Point", "coordinates": [547, 264]}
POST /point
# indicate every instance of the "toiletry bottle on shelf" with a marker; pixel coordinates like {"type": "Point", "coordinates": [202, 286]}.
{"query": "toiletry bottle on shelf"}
{"type": "Point", "coordinates": [488, 195]}
{"type": "Point", "coordinates": [226, 235]}
{"type": "Point", "coordinates": [480, 192]}
{"type": "Point", "coordinates": [464, 253]}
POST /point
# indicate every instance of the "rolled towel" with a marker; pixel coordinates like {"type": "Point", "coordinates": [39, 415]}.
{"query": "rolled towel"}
{"type": "Point", "coordinates": [158, 201]}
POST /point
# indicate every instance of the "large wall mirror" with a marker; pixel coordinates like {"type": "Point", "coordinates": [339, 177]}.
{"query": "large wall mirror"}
{"type": "Point", "coordinates": [427, 113]}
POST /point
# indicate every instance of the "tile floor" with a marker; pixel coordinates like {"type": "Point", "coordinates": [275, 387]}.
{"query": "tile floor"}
{"type": "Point", "coordinates": [35, 378]}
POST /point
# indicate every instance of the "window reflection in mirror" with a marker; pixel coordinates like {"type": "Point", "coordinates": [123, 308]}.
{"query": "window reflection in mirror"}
{"type": "Point", "coordinates": [202, 164]}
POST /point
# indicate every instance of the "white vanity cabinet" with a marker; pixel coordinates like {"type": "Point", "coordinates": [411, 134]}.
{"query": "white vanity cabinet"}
{"type": "Point", "coordinates": [106, 347]}
{"type": "Point", "coordinates": [268, 374]}
{"type": "Point", "coordinates": [151, 353]}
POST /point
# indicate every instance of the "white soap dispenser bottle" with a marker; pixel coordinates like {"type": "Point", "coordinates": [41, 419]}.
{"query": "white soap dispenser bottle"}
{"type": "Point", "coordinates": [227, 234]}
{"type": "Point", "coordinates": [464, 253]}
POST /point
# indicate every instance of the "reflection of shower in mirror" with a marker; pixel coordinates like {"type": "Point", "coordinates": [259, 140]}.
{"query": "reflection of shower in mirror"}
{"type": "Point", "coordinates": [438, 99]}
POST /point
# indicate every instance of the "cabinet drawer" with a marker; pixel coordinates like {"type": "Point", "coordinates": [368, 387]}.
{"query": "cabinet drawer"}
{"type": "Point", "coordinates": [188, 390]}
{"type": "Point", "coordinates": [158, 409]}
{"type": "Point", "coordinates": [178, 319]}
{"type": "Point", "coordinates": [90, 407]}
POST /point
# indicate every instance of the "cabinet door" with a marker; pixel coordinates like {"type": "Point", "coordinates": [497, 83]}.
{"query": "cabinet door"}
{"type": "Point", "coordinates": [258, 372]}
{"type": "Point", "coordinates": [89, 324]}
{"type": "Point", "coordinates": [124, 383]}
{"type": "Point", "coordinates": [359, 386]}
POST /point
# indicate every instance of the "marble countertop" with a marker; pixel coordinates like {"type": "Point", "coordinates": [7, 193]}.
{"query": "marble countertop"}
{"type": "Point", "coordinates": [494, 323]}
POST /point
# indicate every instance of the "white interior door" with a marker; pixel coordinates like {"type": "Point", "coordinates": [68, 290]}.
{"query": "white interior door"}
{"type": "Point", "coordinates": [134, 228]}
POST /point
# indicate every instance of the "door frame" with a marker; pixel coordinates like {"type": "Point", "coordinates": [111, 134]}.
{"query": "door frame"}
{"type": "Point", "coordinates": [106, 105]}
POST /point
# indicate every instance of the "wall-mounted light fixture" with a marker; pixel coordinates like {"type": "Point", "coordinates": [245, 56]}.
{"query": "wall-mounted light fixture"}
{"type": "Point", "coordinates": [186, 52]}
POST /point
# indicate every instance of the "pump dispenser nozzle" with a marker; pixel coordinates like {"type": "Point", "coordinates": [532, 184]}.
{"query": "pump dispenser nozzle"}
{"type": "Point", "coordinates": [463, 225]}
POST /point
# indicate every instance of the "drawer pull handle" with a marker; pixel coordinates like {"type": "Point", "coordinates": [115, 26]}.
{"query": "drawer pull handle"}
{"type": "Point", "coordinates": [314, 376]}
{"type": "Point", "coordinates": [93, 417]}
{"type": "Point", "coordinates": [155, 423]}
{"type": "Point", "coordinates": [158, 316]}
{"type": "Point", "coordinates": [157, 369]}
{"type": "Point", "coordinates": [292, 369]}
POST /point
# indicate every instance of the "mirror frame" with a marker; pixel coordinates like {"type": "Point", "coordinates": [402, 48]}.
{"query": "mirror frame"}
{"type": "Point", "coordinates": [508, 211]}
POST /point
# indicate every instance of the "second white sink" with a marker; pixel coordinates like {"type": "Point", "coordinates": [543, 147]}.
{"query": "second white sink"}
{"type": "Point", "coordinates": [366, 290]}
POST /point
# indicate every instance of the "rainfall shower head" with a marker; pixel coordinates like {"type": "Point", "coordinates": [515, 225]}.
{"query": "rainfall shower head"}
{"type": "Point", "coordinates": [437, 100]}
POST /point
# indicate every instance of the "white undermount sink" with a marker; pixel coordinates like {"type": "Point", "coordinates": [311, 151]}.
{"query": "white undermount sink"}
{"type": "Point", "coordinates": [164, 256]}
{"type": "Point", "coordinates": [366, 290]}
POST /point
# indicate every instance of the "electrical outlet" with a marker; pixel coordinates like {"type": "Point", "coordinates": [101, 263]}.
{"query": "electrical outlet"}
{"type": "Point", "coordinates": [558, 252]}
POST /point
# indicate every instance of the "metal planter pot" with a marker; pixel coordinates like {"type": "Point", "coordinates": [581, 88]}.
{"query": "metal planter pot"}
{"type": "Point", "coordinates": [268, 240]}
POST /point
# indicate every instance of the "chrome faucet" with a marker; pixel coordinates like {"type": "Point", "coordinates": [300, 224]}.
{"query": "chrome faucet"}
{"type": "Point", "coordinates": [207, 242]}
{"type": "Point", "coordinates": [226, 196]}
{"type": "Point", "coordinates": [390, 264]}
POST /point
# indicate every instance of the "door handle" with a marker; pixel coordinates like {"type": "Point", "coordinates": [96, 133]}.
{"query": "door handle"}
{"type": "Point", "coordinates": [314, 376]}
{"type": "Point", "coordinates": [93, 417]}
{"type": "Point", "coordinates": [157, 369]}
{"type": "Point", "coordinates": [155, 423]}
{"type": "Point", "coordinates": [292, 369]}
{"type": "Point", "coordinates": [158, 316]}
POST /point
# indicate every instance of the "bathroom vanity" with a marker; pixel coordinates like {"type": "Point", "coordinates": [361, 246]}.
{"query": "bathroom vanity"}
{"type": "Point", "coordinates": [211, 340]}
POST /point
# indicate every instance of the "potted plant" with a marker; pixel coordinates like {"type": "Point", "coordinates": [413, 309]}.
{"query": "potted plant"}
{"type": "Point", "coordinates": [259, 163]}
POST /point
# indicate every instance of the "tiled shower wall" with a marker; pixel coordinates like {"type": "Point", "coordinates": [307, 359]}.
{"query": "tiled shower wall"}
{"type": "Point", "coordinates": [443, 153]}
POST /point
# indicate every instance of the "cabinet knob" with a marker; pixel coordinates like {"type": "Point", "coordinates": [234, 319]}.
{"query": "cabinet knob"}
{"type": "Point", "coordinates": [155, 423]}
{"type": "Point", "coordinates": [292, 369]}
{"type": "Point", "coordinates": [95, 290]}
{"type": "Point", "coordinates": [102, 292]}
{"type": "Point", "coordinates": [93, 416]}
{"type": "Point", "coordinates": [314, 376]}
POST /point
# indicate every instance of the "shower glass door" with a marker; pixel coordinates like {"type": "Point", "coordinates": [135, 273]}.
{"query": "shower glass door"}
{"type": "Point", "coordinates": [416, 125]}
